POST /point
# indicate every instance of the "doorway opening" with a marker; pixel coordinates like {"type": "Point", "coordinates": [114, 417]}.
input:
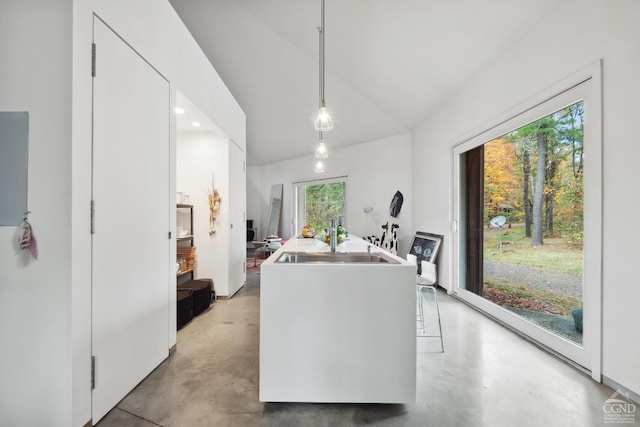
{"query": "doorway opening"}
{"type": "Point", "coordinates": [209, 177]}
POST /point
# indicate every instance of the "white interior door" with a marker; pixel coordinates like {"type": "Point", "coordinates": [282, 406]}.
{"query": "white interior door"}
{"type": "Point", "coordinates": [130, 273]}
{"type": "Point", "coordinates": [237, 184]}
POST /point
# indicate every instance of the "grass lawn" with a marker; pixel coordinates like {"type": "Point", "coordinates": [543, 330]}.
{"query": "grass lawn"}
{"type": "Point", "coordinates": [554, 254]}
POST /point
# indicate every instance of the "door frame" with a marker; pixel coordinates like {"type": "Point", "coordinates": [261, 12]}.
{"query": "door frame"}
{"type": "Point", "coordinates": [585, 84]}
{"type": "Point", "coordinates": [237, 216]}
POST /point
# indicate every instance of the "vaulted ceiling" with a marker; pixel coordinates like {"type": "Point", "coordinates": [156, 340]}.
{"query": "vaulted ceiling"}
{"type": "Point", "coordinates": [389, 63]}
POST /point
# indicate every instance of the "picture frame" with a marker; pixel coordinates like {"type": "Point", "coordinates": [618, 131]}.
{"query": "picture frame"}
{"type": "Point", "coordinates": [425, 246]}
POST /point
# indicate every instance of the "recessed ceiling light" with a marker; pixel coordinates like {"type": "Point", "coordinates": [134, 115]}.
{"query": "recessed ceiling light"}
{"type": "Point", "coordinates": [179, 110]}
{"type": "Point", "coordinates": [195, 124]}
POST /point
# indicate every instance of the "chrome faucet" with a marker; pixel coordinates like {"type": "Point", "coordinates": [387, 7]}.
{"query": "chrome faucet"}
{"type": "Point", "coordinates": [333, 236]}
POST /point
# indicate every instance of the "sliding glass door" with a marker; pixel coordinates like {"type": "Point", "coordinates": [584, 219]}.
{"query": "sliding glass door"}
{"type": "Point", "coordinates": [525, 223]}
{"type": "Point", "coordinates": [526, 241]}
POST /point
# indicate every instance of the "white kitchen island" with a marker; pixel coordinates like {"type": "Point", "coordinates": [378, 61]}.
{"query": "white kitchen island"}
{"type": "Point", "coordinates": [337, 331]}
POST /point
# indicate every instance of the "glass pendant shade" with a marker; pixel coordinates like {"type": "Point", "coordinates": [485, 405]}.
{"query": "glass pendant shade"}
{"type": "Point", "coordinates": [319, 168]}
{"type": "Point", "coordinates": [321, 151]}
{"type": "Point", "coordinates": [324, 122]}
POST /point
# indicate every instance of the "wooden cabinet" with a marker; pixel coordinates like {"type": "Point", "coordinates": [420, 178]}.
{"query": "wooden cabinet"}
{"type": "Point", "coordinates": [185, 248]}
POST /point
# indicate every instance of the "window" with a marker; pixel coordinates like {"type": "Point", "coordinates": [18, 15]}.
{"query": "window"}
{"type": "Point", "coordinates": [525, 195]}
{"type": "Point", "coordinates": [527, 200]}
{"type": "Point", "coordinates": [317, 202]}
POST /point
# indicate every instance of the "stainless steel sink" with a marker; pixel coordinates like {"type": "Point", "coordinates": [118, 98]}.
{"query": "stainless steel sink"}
{"type": "Point", "coordinates": [335, 258]}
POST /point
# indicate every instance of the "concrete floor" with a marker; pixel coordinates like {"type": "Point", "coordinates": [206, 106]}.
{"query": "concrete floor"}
{"type": "Point", "coordinates": [487, 376]}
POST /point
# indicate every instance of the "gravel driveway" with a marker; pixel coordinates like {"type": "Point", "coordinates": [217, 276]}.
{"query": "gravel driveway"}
{"type": "Point", "coordinates": [536, 277]}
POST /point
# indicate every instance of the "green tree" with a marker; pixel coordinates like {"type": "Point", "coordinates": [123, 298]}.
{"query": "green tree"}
{"type": "Point", "coordinates": [525, 139]}
{"type": "Point", "coordinates": [569, 190]}
{"type": "Point", "coordinates": [324, 202]}
{"type": "Point", "coordinates": [538, 190]}
{"type": "Point", "coordinates": [532, 139]}
{"type": "Point", "coordinates": [555, 144]}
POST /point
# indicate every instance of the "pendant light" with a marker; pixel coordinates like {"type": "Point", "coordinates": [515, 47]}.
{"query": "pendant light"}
{"type": "Point", "coordinates": [319, 168]}
{"type": "Point", "coordinates": [321, 150]}
{"type": "Point", "coordinates": [323, 122]}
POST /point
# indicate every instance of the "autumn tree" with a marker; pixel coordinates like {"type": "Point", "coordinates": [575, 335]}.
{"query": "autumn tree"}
{"type": "Point", "coordinates": [501, 190]}
{"type": "Point", "coordinates": [551, 189]}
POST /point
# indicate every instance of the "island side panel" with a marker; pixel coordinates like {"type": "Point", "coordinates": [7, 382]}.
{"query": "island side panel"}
{"type": "Point", "coordinates": [337, 333]}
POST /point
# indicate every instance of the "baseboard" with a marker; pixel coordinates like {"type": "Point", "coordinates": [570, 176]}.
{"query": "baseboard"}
{"type": "Point", "coordinates": [222, 297]}
{"type": "Point", "coordinates": [617, 386]}
{"type": "Point", "coordinates": [173, 349]}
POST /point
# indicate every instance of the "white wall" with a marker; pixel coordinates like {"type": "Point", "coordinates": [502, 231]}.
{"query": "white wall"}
{"type": "Point", "coordinates": [254, 197]}
{"type": "Point", "coordinates": [198, 156]}
{"type": "Point", "coordinates": [574, 35]}
{"type": "Point", "coordinates": [35, 297]}
{"type": "Point", "coordinates": [375, 170]}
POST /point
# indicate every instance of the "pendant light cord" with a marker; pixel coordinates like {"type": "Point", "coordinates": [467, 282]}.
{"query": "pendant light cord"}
{"type": "Point", "coordinates": [321, 30]}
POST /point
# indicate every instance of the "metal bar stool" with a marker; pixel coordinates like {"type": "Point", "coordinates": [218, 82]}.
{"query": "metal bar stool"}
{"type": "Point", "coordinates": [426, 280]}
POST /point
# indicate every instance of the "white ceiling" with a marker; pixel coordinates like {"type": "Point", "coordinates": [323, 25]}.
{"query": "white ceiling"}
{"type": "Point", "coordinates": [190, 114]}
{"type": "Point", "coordinates": [389, 63]}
